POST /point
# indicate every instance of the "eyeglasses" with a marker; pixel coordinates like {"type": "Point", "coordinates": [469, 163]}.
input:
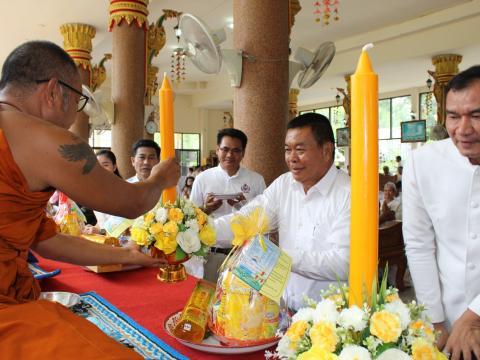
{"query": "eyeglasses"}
{"type": "Point", "coordinates": [82, 100]}
{"type": "Point", "coordinates": [234, 151]}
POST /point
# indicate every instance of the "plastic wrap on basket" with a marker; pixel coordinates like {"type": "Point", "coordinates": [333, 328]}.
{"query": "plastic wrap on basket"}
{"type": "Point", "coordinates": [69, 217]}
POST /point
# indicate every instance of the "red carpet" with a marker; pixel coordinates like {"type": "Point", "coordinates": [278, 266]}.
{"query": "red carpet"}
{"type": "Point", "coordinates": [138, 294]}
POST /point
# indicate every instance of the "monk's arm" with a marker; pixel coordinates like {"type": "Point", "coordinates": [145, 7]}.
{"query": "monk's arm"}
{"type": "Point", "coordinates": [65, 162]}
{"type": "Point", "coordinates": [79, 251]}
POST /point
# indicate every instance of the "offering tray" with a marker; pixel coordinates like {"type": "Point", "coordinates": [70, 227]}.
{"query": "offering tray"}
{"type": "Point", "coordinates": [211, 344]}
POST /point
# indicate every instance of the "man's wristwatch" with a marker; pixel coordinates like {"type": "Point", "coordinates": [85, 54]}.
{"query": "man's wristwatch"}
{"type": "Point", "coordinates": [102, 232]}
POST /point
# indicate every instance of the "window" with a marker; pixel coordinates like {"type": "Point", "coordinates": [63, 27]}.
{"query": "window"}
{"type": "Point", "coordinates": [187, 148]}
{"type": "Point", "coordinates": [100, 139]}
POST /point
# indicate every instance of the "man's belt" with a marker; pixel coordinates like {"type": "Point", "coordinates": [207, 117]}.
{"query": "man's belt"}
{"type": "Point", "coordinates": [216, 250]}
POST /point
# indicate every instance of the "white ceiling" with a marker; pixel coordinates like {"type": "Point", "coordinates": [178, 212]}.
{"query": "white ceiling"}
{"type": "Point", "coordinates": [359, 20]}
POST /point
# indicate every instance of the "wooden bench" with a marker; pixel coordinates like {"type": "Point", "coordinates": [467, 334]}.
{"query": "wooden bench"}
{"type": "Point", "coordinates": [391, 249]}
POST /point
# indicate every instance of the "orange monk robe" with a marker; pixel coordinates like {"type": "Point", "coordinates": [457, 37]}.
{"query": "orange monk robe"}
{"type": "Point", "coordinates": [31, 328]}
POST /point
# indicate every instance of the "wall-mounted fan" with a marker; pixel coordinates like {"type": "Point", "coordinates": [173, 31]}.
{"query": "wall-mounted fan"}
{"type": "Point", "coordinates": [202, 47]}
{"type": "Point", "coordinates": [98, 117]}
{"type": "Point", "coordinates": [311, 65]}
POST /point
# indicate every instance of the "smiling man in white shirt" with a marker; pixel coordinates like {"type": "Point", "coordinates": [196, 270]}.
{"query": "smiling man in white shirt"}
{"type": "Point", "coordinates": [441, 213]}
{"type": "Point", "coordinates": [311, 205]}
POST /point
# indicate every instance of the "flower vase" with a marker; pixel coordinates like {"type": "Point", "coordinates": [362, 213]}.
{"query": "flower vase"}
{"type": "Point", "coordinates": [173, 271]}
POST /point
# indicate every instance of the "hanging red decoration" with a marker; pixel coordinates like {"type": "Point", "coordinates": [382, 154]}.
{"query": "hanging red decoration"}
{"type": "Point", "coordinates": [329, 9]}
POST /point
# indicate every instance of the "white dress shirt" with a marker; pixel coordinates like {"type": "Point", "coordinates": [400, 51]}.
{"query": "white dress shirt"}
{"type": "Point", "coordinates": [314, 229]}
{"type": "Point", "coordinates": [396, 206]}
{"type": "Point", "coordinates": [216, 180]}
{"type": "Point", "coordinates": [441, 229]}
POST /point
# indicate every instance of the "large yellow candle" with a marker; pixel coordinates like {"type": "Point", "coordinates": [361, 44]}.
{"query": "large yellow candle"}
{"type": "Point", "coordinates": [166, 131]}
{"type": "Point", "coordinates": [364, 167]}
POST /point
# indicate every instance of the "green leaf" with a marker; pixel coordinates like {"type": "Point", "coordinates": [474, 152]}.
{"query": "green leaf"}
{"type": "Point", "coordinates": [385, 347]}
{"type": "Point", "coordinates": [374, 294]}
{"type": "Point", "coordinates": [342, 291]}
{"type": "Point", "coordinates": [180, 254]}
{"type": "Point", "coordinates": [383, 286]}
{"type": "Point", "coordinates": [202, 252]}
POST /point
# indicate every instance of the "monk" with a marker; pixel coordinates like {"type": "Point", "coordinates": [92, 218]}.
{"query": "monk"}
{"type": "Point", "coordinates": [40, 93]}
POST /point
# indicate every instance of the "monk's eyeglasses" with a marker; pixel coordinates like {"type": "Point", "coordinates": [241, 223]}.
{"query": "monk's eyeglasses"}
{"type": "Point", "coordinates": [82, 100]}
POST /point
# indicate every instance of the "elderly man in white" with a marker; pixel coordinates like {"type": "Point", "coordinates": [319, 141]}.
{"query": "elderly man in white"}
{"type": "Point", "coordinates": [311, 205]}
{"type": "Point", "coordinates": [441, 214]}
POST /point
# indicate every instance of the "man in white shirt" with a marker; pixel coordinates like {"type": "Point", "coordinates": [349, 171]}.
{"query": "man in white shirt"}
{"type": "Point", "coordinates": [441, 220]}
{"type": "Point", "coordinates": [228, 178]}
{"type": "Point", "coordinates": [311, 207]}
{"type": "Point", "coordinates": [145, 155]}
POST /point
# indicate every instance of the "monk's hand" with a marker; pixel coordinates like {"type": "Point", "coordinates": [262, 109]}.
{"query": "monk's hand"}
{"type": "Point", "coordinates": [238, 201]}
{"type": "Point", "coordinates": [167, 172]}
{"type": "Point", "coordinates": [465, 337]}
{"type": "Point", "coordinates": [443, 335]}
{"type": "Point", "coordinates": [139, 258]}
{"type": "Point", "coordinates": [211, 204]}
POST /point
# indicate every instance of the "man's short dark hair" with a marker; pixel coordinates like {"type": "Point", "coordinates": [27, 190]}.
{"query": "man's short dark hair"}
{"type": "Point", "coordinates": [319, 124]}
{"type": "Point", "coordinates": [463, 79]}
{"type": "Point", "coordinates": [146, 143]}
{"type": "Point", "coordinates": [37, 60]}
{"type": "Point", "coordinates": [234, 133]}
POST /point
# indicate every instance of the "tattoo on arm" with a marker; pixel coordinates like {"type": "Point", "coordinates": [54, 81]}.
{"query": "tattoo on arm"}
{"type": "Point", "coordinates": [79, 152]}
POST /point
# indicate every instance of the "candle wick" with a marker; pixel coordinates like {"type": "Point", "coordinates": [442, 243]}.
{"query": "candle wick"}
{"type": "Point", "coordinates": [367, 47]}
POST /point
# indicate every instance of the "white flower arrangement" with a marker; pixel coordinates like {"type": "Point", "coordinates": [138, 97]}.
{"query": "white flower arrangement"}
{"type": "Point", "coordinates": [330, 330]}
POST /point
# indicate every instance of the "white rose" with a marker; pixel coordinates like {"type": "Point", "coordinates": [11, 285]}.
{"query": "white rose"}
{"type": "Point", "coordinates": [399, 308]}
{"type": "Point", "coordinates": [326, 310]}
{"type": "Point", "coordinates": [354, 352]}
{"type": "Point", "coordinates": [284, 349]}
{"type": "Point", "coordinates": [193, 225]}
{"type": "Point", "coordinates": [352, 318]}
{"type": "Point", "coordinates": [161, 215]}
{"type": "Point", "coordinates": [304, 314]}
{"type": "Point", "coordinates": [188, 241]}
{"type": "Point", "coordinates": [393, 354]}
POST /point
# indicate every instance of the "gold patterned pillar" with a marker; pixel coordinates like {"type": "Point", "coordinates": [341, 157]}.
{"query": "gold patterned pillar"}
{"type": "Point", "coordinates": [128, 24]}
{"type": "Point", "coordinates": [292, 103]}
{"type": "Point", "coordinates": [77, 42]}
{"type": "Point", "coordinates": [261, 102]}
{"type": "Point", "coordinates": [446, 67]}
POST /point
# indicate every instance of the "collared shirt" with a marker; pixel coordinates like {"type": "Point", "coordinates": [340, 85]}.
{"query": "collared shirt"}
{"type": "Point", "coordinates": [314, 229]}
{"type": "Point", "coordinates": [133, 179]}
{"type": "Point", "coordinates": [396, 206]}
{"type": "Point", "coordinates": [216, 180]}
{"type": "Point", "coordinates": [441, 229]}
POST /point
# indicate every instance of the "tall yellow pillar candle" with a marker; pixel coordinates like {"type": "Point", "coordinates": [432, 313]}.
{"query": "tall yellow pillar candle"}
{"type": "Point", "coordinates": [167, 144]}
{"type": "Point", "coordinates": [364, 167]}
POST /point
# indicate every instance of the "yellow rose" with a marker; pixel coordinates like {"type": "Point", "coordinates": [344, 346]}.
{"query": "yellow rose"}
{"type": "Point", "coordinates": [392, 297]}
{"type": "Point", "coordinates": [420, 325]}
{"type": "Point", "coordinates": [168, 244]}
{"type": "Point", "coordinates": [317, 353]}
{"type": "Point", "coordinates": [207, 235]}
{"type": "Point", "coordinates": [140, 236]}
{"type": "Point", "coordinates": [324, 336]}
{"type": "Point", "coordinates": [148, 218]}
{"type": "Point", "coordinates": [297, 330]}
{"type": "Point", "coordinates": [201, 216]}
{"type": "Point", "coordinates": [385, 326]}
{"type": "Point", "coordinates": [159, 241]}
{"type": "Point", "coordinates": [175, 214]}
{"type": "Point", "coordinates": [170, 228]}
{"type": "Point", "coordinates": [423, 350]}
{"type": "Point", "coordinates": [156, 228]}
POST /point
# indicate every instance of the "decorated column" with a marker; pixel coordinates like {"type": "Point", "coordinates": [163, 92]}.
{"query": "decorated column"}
{"type": "Point", "coordinates": [446, 67]}
{"type": "Point", "coordinates": [77, 42]}
{"type": "Point", "coordinates": [293, 103]}
{"type": "Point", "coordinates": [293, 9]}
{"type": "Point", "coordinates": [261, 102]}
{"type": "Point", "coordinates": [128, 24]}
{"type": "Point", "coordinates": [364, 166]}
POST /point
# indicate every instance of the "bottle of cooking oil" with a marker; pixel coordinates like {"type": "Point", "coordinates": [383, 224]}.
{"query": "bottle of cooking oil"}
{"type": "Point", "coordinates": [193, 321]}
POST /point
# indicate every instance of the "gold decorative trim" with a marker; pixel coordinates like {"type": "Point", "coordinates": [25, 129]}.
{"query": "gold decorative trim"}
{"type": "Point", "coordinates": [130, 11]}
{"type": "Point", "coordinates": [151, 83]}
{"type": "Point", "coordinates": [292, 102]}
{"type": "Point", "coordinates": [77, 42]}
{"type": "Point", "coordinates": [99, 73]}
{"type": "Point", "coordinates": [294, 8]}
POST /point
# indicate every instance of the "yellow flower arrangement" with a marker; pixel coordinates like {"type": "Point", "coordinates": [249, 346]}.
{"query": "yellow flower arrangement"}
{"type": "Point", "coordinates": [179, 228]}
{"type": "Point", "coordinates": [386, 328]}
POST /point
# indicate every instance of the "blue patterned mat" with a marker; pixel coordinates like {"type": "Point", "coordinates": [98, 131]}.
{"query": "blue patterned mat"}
{"type": "Point", "coordinates": [123, 329]}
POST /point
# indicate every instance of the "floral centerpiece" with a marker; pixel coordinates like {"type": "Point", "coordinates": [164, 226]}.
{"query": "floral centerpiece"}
{"type": "Point", "coordinates": [176, 231]}
{"type": "Point", "coordinates": [389, 329]}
